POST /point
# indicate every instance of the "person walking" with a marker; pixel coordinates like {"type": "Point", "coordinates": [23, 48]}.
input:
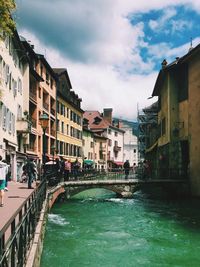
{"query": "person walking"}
{"type": "Point", "coordinates": [30, 170]}
{"type": "Point", "coordinates": [76, 167]}
{"type": "Point", "coordinates": [8, 174]}
{"type": "Point", "coordinates": [126, 168]}
{"type": "Point", "coordinates": [3, 173]}
{"type": "Point", "coordinates": [67, 170]}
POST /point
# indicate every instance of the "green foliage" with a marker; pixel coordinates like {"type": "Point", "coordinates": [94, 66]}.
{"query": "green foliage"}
{"type": "Point", "coordinates": [7, 25]}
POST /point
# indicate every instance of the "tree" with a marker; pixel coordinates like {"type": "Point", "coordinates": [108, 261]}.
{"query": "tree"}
{"type": "Point", "coordinates": [7, 24]}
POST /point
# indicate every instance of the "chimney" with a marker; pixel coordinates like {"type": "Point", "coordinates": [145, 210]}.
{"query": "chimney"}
{"type": "Point", "coordinates": [120, 124]}
{"type": "Point", "coordinates": [107, 114]}
{"type": "Point", "coordinates": [164, 63]}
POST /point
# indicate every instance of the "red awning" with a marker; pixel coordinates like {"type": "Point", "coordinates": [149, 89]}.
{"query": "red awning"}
{"type": "Point", "coordinates": [118, 163]}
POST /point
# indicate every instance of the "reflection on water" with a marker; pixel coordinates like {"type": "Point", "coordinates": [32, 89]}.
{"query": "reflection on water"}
{"type": "Point", "coordinates": [96, 229]}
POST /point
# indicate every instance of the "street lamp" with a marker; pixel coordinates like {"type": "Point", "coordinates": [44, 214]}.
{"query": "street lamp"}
{"type": "Point", "coordinates": [44, 121]}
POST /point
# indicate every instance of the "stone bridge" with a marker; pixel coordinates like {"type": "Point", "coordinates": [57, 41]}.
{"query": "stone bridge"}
{"type": "Point", "coordinates": [123, 188]}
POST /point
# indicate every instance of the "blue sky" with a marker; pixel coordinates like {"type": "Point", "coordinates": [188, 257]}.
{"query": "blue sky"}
{"type": "Point", "coordinates": [112, 49]}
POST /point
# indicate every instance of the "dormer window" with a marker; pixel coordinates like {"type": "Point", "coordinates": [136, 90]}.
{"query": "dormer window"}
{"type": "Point", "coordinates": [97, 120]}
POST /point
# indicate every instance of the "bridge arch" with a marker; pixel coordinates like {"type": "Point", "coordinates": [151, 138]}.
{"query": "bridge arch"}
{"type": "Point", "coordinates": [69, 190]}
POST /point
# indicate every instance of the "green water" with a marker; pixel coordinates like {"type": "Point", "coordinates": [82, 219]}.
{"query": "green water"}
{"type": "Point", "coordinates": [98, 230]}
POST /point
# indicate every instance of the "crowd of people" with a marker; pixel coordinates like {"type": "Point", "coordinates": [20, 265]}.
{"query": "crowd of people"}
{"type": "Point", "coordinates": [65, 170]}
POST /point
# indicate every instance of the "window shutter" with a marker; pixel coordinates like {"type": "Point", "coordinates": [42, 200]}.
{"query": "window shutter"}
{"type": "Point", "coordinates": [7, 118]}
{"type": "Point", "coordinates": [7, 74]}
{"type": "Point", "coordinates": [10, 123]}
{"type": "Point", "coordinates": [13, 124]}
{"type": "Point", "coordinates": [4, 117]}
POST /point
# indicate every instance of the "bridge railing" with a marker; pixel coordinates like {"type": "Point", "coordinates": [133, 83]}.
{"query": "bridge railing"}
{"type": "Point", "coordinates": [17, 235]}
{"type": "Point", "coordinates": [161, 173]}
{"type": "Point", "coordinates": [117, 174]}
{"type": "Point", "coordinates": [90, 174]}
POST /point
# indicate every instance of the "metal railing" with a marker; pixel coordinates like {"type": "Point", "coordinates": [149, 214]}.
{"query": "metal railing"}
{"type": "Point", "coordinates": [54, 177]}
{"type": "Point", "coordinates": [17, 235]}
{"type": "Point", "coordinates": [81, 174]}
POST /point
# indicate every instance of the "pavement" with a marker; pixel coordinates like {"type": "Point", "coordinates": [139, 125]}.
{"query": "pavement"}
{"type": "Point", "coordinates": [16, 195]}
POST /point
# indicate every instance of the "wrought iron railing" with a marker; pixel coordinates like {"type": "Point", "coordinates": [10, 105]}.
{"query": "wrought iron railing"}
{"type": "Point", "coordinates": [17, 235]}
{"type": "Point", "coordinates": [54, 177]}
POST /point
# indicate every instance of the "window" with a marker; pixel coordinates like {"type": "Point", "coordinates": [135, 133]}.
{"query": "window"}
{"type": "Point", "coordinates": [116, 133]}
{"type": "Point", "coordinates": [91, 144]}
{"type": "Point", "coordinates": [62, 127]}
{"type": "Point", "coordinates": [10, 120]}
{"type": "Point", "coordinates": [7, 74]}
{"type": "Point", "coordinates": [51, 83]}
{"type": "Point", "coordinates": [109, 142]}
{"type": "Point", "coordinates": [4, 111]}
{"type": "Point", "coordinates": [47, 77]}
{"type": "Point", "coordinates": [182, 83]}
{"type": "Point", "coordinates": [10, 81]}
{"type": "Point", "coordinates": [19, 112]}
{"type": "Point", "coordinates": [109, 131]}
{"type": "Point", "coordinates": [20, 86]}
{"type": "Point", "coordinates": [58, 125]}
{"type": "Point", "coordinates": [39, 92]}
{"type": "Point", "coordinates": [41, 70]}
{"type": "Point", "coordinates": [67, 129]}
{"type": "Point", "coordinates": [15, 88]}
{"type": "Point", "coordinates": [163, 126]}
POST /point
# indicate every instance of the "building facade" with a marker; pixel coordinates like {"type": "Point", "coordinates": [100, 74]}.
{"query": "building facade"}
{"type": "Point", "coordinates": [102, 125]}
{"type": "Point", "coordinates": [14, 84]}
{"type": "Point", "coordinates": [42, 100]}
{"type": "Point", "coordinates": [178, 145]}
{"type": "Point", "coordinates": [130, 144]}
{"type": "Point", "coordinates": [69, 119]}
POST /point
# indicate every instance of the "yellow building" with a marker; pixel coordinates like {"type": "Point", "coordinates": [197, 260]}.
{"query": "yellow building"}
{"type": "Point", "coordinates": [69, 119]}
{"type": "Point", "coordinates": [177, 87]}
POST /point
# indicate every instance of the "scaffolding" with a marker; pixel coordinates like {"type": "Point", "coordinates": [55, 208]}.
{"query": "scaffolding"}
{"type": "Point", "coordinates": [147, 117]}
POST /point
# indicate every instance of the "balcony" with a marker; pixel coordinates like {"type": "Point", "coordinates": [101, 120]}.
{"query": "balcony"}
{"type": "Point", "coordinates": [31, 147]}
{"type": "Point", "coordinates": [23, 126]}
{"type": "Point", "coordinates": [116, 148]}
{"type": "Point", "coordinates": [53, 112]}
{"type": "Point", "coordinates": [102, 148]}
{"type": "Point", "coordinates": [33, 95]}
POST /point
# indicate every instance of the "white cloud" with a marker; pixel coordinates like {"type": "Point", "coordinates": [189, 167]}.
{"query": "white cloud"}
{"type": "Point", "coordinates": [95, 41]}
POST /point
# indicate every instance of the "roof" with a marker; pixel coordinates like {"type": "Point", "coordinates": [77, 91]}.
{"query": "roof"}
{"type": "Point", "coordinates": [45, 62]}
{"type": "Point", "coordinates": [96, 121]}
{"type": "Point", "coordinates": [63, 71]}
{"type": "Point", "coordinates": [175, 64]}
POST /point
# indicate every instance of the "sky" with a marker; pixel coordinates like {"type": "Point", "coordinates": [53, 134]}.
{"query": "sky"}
{"type": "Point", "coordinates": [112, 49]}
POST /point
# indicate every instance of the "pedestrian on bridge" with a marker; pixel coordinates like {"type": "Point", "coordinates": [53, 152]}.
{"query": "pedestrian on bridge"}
{"type": "Point", "coordinates": [126, 168]}
{"type": "Point", "coordinates": [67, 170]}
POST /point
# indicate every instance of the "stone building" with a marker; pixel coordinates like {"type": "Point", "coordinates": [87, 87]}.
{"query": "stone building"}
{"type": "Point", "coordinates": [177, 88]}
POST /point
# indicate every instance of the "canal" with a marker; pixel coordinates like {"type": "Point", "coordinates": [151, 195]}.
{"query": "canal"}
{"type": "Point", "coordinates": [96, 229]}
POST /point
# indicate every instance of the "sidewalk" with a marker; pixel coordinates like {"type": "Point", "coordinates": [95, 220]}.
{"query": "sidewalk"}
{"type": "Point", "coordinates": [13, 198]}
